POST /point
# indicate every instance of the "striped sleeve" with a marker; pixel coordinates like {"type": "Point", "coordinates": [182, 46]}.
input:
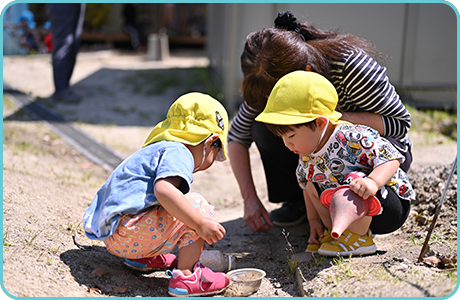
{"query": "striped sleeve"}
{"type": "Point", "coordinates": [240, 130]}
{"type": "Point", "coordinates": [364, 86]}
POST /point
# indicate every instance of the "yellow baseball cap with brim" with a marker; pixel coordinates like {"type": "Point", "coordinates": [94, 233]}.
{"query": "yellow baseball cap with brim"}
{"type": "Point", "coordinates": [191, 119]}
{"type": "Point", "coordinates": [300, 97]}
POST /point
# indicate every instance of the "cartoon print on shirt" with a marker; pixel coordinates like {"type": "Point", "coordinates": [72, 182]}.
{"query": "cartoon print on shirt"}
{"type": "Point", "coordinates": [363, 159]}
{"type": "Point", "coordinates": [305, 160]}
{"type": "Point", "coordinates": [343, 154]}
{"type": "Point", "coordinates": [351, 148]}
{"type": "Point", "coordinates": [311, 170]}
{"type": "Point", "coordinates": [320, 163]}
{"type": "Point", "coordinates": [387, 152]}
{"type": "Point", "coordinates": [336, 165]}
{"type": "Point", "coordinates": [301, 176]}
{"type": "Point", "coordinates": [367, 143]}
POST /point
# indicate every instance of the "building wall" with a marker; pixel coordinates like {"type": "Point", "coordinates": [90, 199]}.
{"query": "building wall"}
{"type": "Point", "coordinates": [419, 41]}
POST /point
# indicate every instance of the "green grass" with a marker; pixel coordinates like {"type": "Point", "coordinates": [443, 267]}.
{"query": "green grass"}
{"type": "Point", "coordinates": [434, 122]}
{"type": "Point", "coordinates": [157, 82]}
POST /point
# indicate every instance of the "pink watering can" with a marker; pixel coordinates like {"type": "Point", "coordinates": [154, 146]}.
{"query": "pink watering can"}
{"type": "Point", "coordinates": [346, 207]}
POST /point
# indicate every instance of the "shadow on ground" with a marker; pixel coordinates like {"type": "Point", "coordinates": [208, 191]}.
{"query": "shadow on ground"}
{"type": "Point", "coordinates": [119, 97]}
{"type": "Point", "coordinates": [268, 251]}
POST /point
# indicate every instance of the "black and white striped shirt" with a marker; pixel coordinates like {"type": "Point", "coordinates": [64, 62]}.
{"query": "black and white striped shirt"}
{"type": "Point", "coordinates": [362, 86]}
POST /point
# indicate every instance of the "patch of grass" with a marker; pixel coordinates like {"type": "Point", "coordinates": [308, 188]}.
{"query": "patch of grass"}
{"type": "Point", "coordinates": [39, 256]}
{"type": "Point", "coordinates": [157, 82]}
{"type": "Point", "coordinates": [330, 279]}
{"type": "Point", "coordinates": [414, 241]}
{"type": "Point", "coordinates": [6, 237]}
{"type": "Point", "coordinates": [202, 76]}
{"type": "Point", "coordinates": [434, 122]}
{"type": "Point", "coordinates": [8, 103]}
{"type": "Point", "coordinates": [23, 145]}
{"type": "Point", "coordinates": [55, 250]}
{"type": "Point", "coordinates": [124, 110]}
{"type": "Point", "coordinates": [317, 261]}
{"type": "Point", "coordinates": [87, 175]}
{"type": "Point", "coordinates": [151, 82]}
{"type": "Point", "coordinates": [452, 275]}
{"type": "Point", "coordinates": [32, 236]}
{"type": "Point", "coordinates": [292, 264]}
{"type": "Point", "coordinates": [345, 269]}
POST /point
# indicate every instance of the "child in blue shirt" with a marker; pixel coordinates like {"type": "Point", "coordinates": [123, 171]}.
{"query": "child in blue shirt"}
{"type": "Point", "coordinates": [144, 209]}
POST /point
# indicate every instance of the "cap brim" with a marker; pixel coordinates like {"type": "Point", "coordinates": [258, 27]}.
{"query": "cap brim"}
{"type": "Point", "coordinates": [277, 118]}
{"type": "Point", "coordinates": [374, 204]}
{"type": "Point", "coordinates": [282, 119]}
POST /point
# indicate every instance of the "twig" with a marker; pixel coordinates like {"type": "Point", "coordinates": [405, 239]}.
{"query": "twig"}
{"type": "Point", "coordinates": [438, 208]}
{"type": "Point", "coordinates": [83, 247]}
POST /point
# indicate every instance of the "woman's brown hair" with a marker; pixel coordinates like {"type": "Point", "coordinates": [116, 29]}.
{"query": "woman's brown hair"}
{"type": "Point", "coordinates": [271, 53]}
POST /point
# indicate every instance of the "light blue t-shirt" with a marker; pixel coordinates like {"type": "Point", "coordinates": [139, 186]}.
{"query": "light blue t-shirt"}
{"type": "Point", "coordinates": [129, 189]}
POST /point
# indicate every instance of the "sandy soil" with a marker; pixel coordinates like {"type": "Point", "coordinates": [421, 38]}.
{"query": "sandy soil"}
{"type": "Point", "coordinates": [48, 185]}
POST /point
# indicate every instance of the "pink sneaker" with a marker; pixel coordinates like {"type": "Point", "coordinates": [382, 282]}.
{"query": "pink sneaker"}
{"type": "Point", "coordinates": [154, 263]}
{"type": "Point", "coordinates": [202, 282]}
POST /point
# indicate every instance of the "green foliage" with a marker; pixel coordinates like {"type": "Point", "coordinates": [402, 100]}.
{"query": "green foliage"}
{"type": "Point", "coordinates": [434, 122]}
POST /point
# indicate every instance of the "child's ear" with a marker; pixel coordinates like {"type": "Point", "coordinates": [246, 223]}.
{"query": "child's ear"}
{"type": "Point", "coordinates": [321, 121]}
{"type": "Point", "coordinates": [212, 139]}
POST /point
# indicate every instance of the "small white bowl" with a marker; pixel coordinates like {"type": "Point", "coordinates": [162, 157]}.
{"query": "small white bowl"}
{"type": "Point", "coordinates": [244, 282]}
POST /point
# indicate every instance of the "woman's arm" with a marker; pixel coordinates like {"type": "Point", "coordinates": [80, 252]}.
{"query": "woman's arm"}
{"type": "Point", "coordinates": [239, 141]}
{"type": "Point", "coordinates": [241, 166]}
{"type": "Point", "coordinates": [365, 87]}
{"type": "Point", "coordinates": [255, 214]}
{"type": "Point", "coordinates": [365, 118]}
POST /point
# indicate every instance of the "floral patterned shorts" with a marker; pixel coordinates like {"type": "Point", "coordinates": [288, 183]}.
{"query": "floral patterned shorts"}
{"type": "Point", "coordinates": [155, 231]}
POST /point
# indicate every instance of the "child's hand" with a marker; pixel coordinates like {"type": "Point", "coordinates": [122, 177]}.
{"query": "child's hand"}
{"type": "Point", "coordinates": [364, 187]}
{"type": "Point", "coordinates": [210, 231]}
{"type": "Point", "coordinates": [316, 231]}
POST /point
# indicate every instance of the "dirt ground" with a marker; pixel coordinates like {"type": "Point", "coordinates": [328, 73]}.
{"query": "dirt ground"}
{"type": "Point", "coordinates": [47, 185]}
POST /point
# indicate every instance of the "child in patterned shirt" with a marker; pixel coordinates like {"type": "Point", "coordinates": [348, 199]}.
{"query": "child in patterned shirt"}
{"type": "Point", "coordinates": [339, 163]}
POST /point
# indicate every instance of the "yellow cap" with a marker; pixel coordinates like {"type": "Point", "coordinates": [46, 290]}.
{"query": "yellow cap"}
{"type": "Point", "coordinates": [300, 97]}
{"type": "Point", "coordinates": [191, 119]}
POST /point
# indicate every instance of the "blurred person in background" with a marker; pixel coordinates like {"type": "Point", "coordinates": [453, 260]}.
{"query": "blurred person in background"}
{"type": "Point", "coordinates": [132, 27]}
{"type": "Point", "coordinates": [30, 38]}
{"type": "Point", "coordinates": [27, 33]}
{"type": "Point", "coordinates": [66, 28]}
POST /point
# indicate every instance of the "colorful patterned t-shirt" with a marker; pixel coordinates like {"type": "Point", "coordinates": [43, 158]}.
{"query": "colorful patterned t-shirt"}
{"type": "Point", "coordinates": [352, 148]}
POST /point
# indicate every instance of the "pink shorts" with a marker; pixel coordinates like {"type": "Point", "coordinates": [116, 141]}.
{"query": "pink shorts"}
{"type": "Point", "coordinates": [155, 231]}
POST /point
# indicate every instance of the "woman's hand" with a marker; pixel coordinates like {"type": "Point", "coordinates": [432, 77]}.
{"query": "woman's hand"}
{"type": "Point", "coordinates": [256, 216]}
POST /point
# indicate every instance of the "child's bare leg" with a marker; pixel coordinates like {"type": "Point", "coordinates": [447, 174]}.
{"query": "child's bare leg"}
{"type": "Point", "coordinates": [188, 256]}
{"type": "Point", "coordinates": [361, 225]}
{"type": "Point", "coordinates": [323, 212]}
